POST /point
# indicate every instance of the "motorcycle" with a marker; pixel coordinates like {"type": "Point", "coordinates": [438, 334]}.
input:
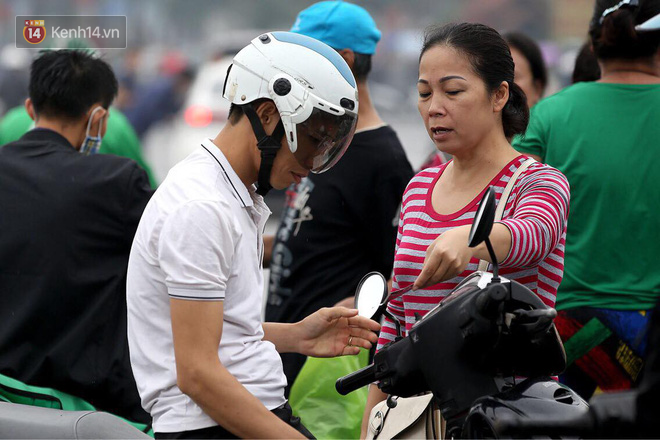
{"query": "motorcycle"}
{"type": "Point", "coordinates": [486, 351]}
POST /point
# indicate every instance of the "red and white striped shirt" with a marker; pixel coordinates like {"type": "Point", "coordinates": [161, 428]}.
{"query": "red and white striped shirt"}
{"type": "Point", "coordinates": [536, 213]}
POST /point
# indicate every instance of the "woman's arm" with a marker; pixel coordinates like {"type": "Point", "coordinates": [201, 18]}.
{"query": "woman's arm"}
{"type": "Point", "coordinates": [539, 221]}
{"type": "Point", "coordinates": [449, 254]}
{"type": "Point", "coordinates": [522, 240]}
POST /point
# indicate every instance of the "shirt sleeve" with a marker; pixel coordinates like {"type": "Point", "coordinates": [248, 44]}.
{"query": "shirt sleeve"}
{"type": "Point", "coordinates": [196, 247]}
{"type": "Point", "coordinates": [534, 141]}
{"type": "Point", "coordinates": [539, 217]}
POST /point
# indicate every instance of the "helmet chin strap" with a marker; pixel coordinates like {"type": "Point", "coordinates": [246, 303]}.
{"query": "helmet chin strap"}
{"type": "Point", "coordinates": [268, 145]}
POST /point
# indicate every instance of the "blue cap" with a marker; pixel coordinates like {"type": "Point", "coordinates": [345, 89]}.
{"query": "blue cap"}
{"type": "Point", "coordinates": [340, 25]}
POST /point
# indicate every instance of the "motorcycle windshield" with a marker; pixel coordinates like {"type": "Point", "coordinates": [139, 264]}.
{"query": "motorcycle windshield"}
{"type": "Point", "coordinates": [469, 284]}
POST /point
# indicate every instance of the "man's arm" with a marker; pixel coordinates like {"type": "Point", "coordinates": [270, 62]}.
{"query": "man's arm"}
{"type": "Point", "coordinates": [197, 329]}
{"type": "Point", "coordinates": [329, 332]}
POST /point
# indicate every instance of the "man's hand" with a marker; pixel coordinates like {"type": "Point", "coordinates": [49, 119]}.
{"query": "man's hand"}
{"type": "Point", "coordinates": [335, 331]}
{"type": "Point", "coordinates": [446, 257]}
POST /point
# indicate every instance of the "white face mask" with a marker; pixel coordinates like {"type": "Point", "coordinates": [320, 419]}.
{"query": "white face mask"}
{"type": "Point", "coordinates": [91, 144]}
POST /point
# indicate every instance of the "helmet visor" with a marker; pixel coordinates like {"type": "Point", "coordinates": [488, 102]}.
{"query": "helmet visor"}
{"type": "Point", "coordinates": [323, 139]}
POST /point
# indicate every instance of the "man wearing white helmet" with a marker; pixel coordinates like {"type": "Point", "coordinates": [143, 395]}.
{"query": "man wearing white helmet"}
{"type": "Point", "coordinates": [205, 364]}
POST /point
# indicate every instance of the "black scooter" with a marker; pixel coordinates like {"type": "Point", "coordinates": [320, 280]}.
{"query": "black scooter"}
{"type": "Point", "coordinates": [486, 351]}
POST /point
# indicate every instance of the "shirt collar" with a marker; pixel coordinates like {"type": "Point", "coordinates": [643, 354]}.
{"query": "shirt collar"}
{"type": "Point", "coordinates": [47, 135]}
{"type": "Point", "coordinates": [240, 191]}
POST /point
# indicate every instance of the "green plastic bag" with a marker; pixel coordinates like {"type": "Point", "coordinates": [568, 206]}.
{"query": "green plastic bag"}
{"type": "Point", "coordinates": [325, 412]}
{"type": "Point", "coordinates": [15, 391]}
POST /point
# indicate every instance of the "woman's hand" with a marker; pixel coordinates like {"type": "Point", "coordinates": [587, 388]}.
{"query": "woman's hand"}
{"type": "Point", "coordinates": [335, 331]}
{"type": "Point", "coordinates": [446, 257]}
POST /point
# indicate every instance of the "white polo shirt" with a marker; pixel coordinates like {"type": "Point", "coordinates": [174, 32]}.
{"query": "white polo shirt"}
{"type": "Point", "coordinates": [199, 239]}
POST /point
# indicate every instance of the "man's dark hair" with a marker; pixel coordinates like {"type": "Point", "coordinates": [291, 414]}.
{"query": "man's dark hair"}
{"type": "Point", "coordinates": [361, 66]}
{"type": "Point", "coordinates": [236, 111]}
{"type": "Point", "coordinates": [66, 83]}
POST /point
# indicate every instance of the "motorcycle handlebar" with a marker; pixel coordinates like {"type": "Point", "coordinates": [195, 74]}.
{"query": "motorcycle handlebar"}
{"type": "Point", "coordinates": [357, 379]}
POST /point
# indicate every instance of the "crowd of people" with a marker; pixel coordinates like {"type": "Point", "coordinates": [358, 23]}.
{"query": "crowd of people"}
{"type": "Point", "coordinates": [147, 303]}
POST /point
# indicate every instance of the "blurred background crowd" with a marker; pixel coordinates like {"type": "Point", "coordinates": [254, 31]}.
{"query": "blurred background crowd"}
{"type": "Point", "coordinates": [172, 71]}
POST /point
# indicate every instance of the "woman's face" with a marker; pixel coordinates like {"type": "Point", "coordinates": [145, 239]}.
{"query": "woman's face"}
{"type": "Point", "coordinates": [524, 78]}
{"type": "Point", "coordinates": [457, 110]}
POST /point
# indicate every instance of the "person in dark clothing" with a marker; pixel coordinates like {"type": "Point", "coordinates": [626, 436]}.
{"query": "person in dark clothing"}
{"type": "Point", "coordinates": [68, 221]}
{"type": "Point", "coordinates": [340, 225]}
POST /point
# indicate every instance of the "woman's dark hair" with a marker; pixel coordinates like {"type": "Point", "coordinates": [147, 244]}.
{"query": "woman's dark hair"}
{"type": "Point", "coordinates": [532, 52]}
{"type": "Point", "coordinates": [616, 37]}
{"type": "Point", "coordinates": [586, 65]}
{"type": "Point", "coordinates": [490, 58]}
{"type": "Point", "coordinates": [66, 83]}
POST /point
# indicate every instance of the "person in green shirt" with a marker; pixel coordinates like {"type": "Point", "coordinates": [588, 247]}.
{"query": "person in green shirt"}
{"type": "Point", "coordinates": [120, 138]}
{"type": "Point", "coordinates": [604, 136]}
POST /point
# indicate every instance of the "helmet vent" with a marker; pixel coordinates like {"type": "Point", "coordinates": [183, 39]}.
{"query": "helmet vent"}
{"type": "Point", "coordinates": [347, 103]}
{"type": "Point", "coordinates": [282, 86]}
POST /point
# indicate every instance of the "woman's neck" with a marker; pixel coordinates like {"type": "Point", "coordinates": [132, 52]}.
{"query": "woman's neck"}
{"type": "Point", "coordinates": [646, 71]}
{"type": "Point", "coordinates": [489, 157]}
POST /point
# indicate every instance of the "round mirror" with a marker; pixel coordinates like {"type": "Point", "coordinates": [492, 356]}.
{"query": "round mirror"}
{"type": "Point", "coordinates": [483, 219]}
{"type": "Point", "coordinates": [370, 294]}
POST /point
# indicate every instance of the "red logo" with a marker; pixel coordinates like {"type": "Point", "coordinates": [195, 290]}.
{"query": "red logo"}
{"type": "Point", "coordinates": [34, 31]}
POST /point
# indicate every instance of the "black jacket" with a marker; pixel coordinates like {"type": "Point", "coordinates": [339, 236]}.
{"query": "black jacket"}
{"type": "Point", "coordinates": [67, 222]}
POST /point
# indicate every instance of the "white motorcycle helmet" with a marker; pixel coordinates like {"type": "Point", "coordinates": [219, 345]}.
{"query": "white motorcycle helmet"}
{"type": "Point", "coordinates": [313, 89]}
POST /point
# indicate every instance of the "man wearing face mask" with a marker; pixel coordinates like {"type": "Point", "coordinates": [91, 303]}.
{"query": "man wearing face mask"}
{"type": "Point", "coordinates": [67, 221]}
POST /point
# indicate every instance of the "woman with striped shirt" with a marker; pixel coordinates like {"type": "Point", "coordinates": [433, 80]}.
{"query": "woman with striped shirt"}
{"type": "Point", "coordinates": [470, 106]}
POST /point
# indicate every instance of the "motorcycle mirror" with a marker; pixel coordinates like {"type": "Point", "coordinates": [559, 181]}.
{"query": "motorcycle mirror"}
{"type": "Point", "coordinates": [483, 220]}
{"type": "Point", "coordinates": [370, 294]}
